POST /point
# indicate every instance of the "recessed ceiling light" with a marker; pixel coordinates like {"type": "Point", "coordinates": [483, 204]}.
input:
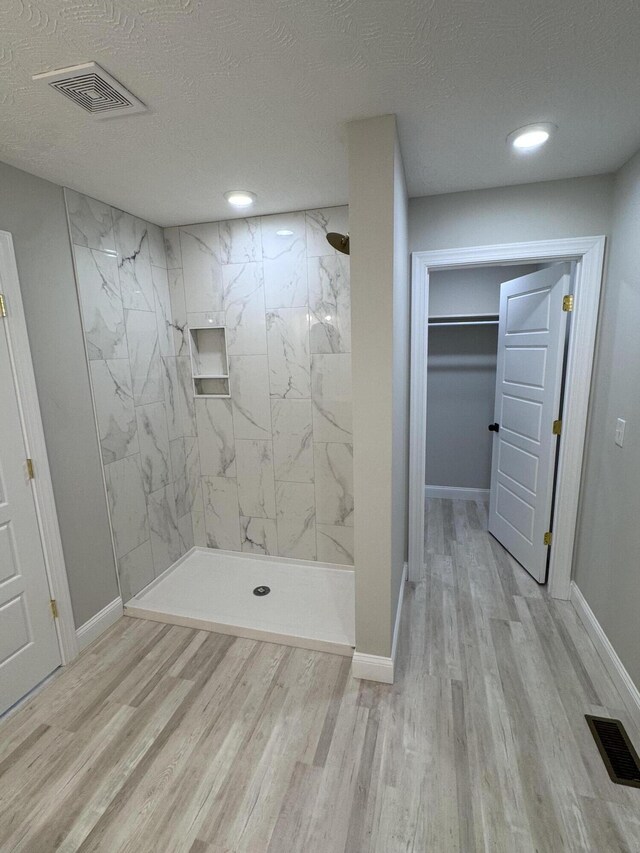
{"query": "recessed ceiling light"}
{"type": "Point", "coordinates": [240, 198]}
{"type": "Point", "coordinates": [530, 137]}
{"type": "Point", "coordinates": [284, 232]}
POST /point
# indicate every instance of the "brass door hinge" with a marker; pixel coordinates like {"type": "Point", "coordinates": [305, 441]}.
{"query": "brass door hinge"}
{"type": "Point", "coordinates": [54, 608]}
{"type": "Point", "coordinates": [3, 306]}
{"type": "Point", "coordinates": [557, 428]}
{"type": "Point", "coordinates": [567, 302]}
{"type": "Point", "coordinates": [30, 470]}
{"type": "Point", "coordinates": [547, 538]}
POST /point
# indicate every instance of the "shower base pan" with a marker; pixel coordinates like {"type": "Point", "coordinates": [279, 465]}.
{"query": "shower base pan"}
{"type": "Point", "coordinates": [309, 604]}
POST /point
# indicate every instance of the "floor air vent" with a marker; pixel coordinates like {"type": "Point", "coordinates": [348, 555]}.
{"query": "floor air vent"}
{"type": "Point", "coordinates": [618, 754]}
{"type": "Point", "coordinates": [92, 88]}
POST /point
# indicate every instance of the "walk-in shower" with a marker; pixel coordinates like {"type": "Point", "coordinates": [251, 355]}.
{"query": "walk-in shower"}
{"type": "Point", "coordinates": [220, 365]}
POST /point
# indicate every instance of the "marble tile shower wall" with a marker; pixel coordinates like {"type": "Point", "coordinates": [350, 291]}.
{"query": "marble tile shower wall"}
{"type": "Point", "coordinates": [141, 386]}
{"type": "Point", "coordinates": [275, 459]}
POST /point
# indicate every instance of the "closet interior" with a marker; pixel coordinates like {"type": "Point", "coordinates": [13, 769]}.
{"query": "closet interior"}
{"type": "Point", "coordinates": [461, 377]}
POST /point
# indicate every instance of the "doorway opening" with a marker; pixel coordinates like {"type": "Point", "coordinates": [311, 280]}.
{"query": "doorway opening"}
{"type": "Point", "coordinates": [586, 256]}
{"type": "Point", "coordinates": [494, 396]}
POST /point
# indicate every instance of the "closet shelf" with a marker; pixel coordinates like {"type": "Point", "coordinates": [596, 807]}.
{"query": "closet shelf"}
{"type": "Point", "coordinates": [463, 320]}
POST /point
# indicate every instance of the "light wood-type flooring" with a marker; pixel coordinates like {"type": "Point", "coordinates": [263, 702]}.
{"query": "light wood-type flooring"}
{"type": "Point", "coordinates": [162, 738]}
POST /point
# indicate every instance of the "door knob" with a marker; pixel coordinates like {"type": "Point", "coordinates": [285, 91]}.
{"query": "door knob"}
{"type": "Point", "coordinates": [494, 427]}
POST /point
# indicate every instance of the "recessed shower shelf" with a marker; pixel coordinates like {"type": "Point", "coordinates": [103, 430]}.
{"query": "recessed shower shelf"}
{"type": "Point", "coordinates": [209, 364]}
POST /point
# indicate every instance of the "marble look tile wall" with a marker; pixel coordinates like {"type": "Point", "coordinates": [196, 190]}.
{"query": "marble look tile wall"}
{"type": "Point", "coordinates": [275, 460]}
{"type": "Point", "coordinates": [140, 375]}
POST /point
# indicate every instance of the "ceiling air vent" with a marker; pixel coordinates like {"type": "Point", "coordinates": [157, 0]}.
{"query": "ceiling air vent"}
{"type": "Point", "coordinates": [93, 89]}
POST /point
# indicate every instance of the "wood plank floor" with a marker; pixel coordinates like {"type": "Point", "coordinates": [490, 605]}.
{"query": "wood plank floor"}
{"type": "Point", "coordinates": [162, 738]}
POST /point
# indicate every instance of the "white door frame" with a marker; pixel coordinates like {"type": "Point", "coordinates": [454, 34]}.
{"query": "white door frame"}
{"type": "Point", "coordinates": [42, 486]}
{"type": "Point", "coordinates": [588, 252]}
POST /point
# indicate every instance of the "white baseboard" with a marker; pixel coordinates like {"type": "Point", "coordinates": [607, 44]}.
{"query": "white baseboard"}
{"type": "Point", "coordinates": [378, 667]}
{"type": "Point", "coordinates": [610, 659]}
{"type": "Point", "coordinates": [456, 493]}
{"type": "Point", "coordinates": [372, 667]}
{"type": "Point", "coordinates": [99, 623]}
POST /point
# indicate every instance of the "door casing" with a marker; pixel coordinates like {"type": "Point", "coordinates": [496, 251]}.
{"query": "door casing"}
{"type": "Point", "coordinates": [18, 340]}
{"type": "Point", "coordinates": [588, 254]}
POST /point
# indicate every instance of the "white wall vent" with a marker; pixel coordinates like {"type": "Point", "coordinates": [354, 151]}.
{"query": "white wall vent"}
{"type": "Point", "coordinates": [93, 89]}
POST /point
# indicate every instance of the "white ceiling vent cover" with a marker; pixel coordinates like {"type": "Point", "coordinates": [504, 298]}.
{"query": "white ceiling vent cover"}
{"type": "Point", "coordinates": [93, 89]}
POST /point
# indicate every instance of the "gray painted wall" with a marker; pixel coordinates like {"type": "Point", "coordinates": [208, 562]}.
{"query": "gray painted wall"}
{"type": "Point", "coordinates": [461, 382]}
{"type": "Point", "coordinates": [471, 291]}
{"type": "Point", "coordinates": [33, 211]}
{"type": "Point", "coordinates": [461, 376]}
{"type": "Point", "coordinates": [607, 555]}
{"type": "Point", "coordinates": [377, 211]}
{"type": "Point", "coordinates": [401, 365]}
{"type": "Point", "coordinates": [577, 207]}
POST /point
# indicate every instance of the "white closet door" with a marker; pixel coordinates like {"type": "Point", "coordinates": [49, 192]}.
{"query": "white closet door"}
{"type": "Point", "coordinates": [531, 341]}
{"type": "Point", "coordinates": [29, 648]}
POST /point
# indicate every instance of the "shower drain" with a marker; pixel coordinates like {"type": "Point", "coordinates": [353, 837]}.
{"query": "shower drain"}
{"type": "Point", "coordinates": [262, 590]}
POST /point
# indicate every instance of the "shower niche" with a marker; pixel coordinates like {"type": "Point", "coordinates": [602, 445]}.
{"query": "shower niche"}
{"type": "Point", "coordinates": [209, 363]}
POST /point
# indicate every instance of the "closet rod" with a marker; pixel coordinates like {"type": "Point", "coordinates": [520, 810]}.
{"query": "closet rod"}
{"type": "Point", "coordinates": [461, 319]}
{"type": "Point", "coordinates": [463, 323]}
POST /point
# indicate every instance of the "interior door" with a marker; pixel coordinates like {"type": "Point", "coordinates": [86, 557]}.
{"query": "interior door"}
{"type": "Point", "coordinates": [531, 341]}
{"type": "Point", "coordinates": [29, 648]}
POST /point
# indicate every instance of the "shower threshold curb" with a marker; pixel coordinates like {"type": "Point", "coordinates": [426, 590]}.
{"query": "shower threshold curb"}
{"type": "Point", "coordinates": [240, 631]}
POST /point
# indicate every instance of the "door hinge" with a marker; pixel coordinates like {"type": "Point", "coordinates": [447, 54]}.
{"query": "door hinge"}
{"type": "Point", "coordinates": [567, 302]}
{"type": "Point", "coordinates": [547, 537]}
{"type": "Point", "coordinates": [30, 470]}
{"type": "Point", "coordinates": [54, 608]}
{"type": "Point", "coordinates": [3, 306]}
{"type": "Point", "coordinates": [557, 428]}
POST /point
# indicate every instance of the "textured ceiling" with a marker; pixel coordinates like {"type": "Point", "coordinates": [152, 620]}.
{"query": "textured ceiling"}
{"type": "Point", "coordinates": [255, 93]}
